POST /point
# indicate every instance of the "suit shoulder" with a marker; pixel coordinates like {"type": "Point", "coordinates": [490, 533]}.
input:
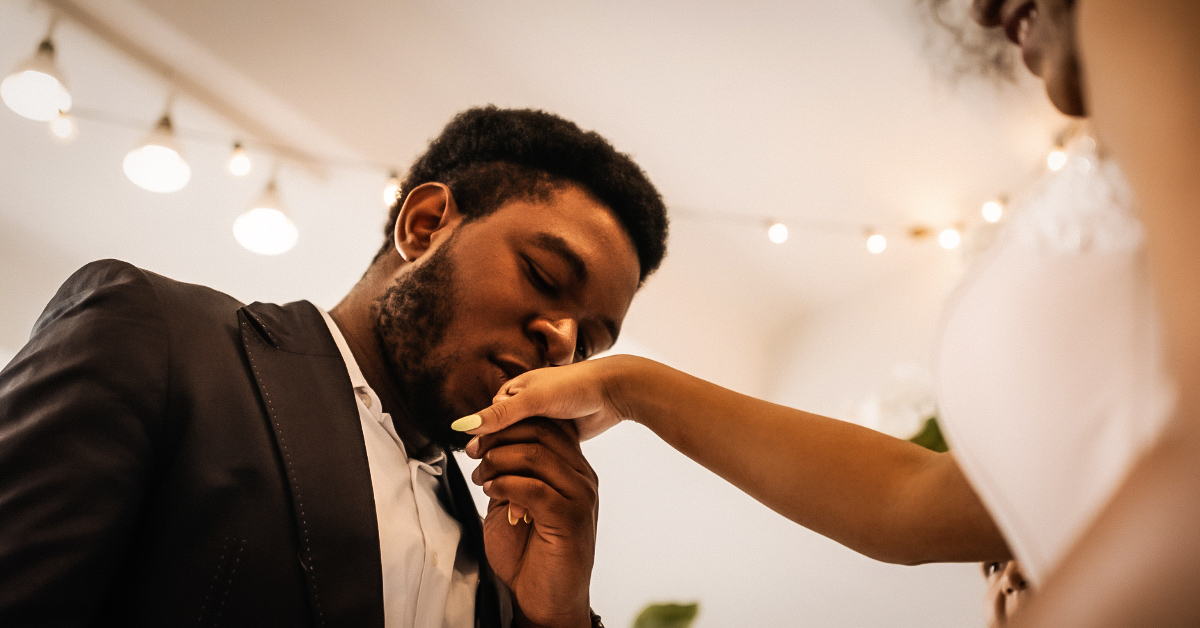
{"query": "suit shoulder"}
{"type": "Point", "coordinates": [112, 283]}
{"type": "Point", "coordinates": [100, 273]}
{"type": "Point", "coordinates": [107, 282]}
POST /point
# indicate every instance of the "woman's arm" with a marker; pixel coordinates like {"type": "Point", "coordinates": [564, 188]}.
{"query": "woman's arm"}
{"type": "Point", "coordinates": [882, 496]}
{"type": "Point", "coordinates": [1138, 565]}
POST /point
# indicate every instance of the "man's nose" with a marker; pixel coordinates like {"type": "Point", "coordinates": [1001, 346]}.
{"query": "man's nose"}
{"type": "Point", "coordinates": [558, 337]}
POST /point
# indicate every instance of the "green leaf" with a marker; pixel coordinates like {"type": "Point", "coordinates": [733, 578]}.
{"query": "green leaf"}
{"type": "Point", "coordinates": [667, 616]}
{"type": "Point", "coordinates": [930, 436]}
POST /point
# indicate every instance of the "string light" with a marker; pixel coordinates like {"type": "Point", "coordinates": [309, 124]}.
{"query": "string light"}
{"type": "Point", "coordinates": [36, 89]}
{"type": "Point", "coordinates": [993, 211]}
{"type": "Point", "coordinates": [950, 238]}
{"type": "Point", "coordinates": [63, 128]}
{"type": "Point", "coordinates": [391, 191]}
{"type": "Point", "coordinates": [876, 243]}
{"type": "Point", "coordinates": [1056, 159]}
{"type": "Point", "coordinates": [777, 232]}
{"type": "Point", "coordinates": [239, 161]}
{"type": "Point", "coordinates": [265, 228]}
{"type": "Point", "coordinates": [157, 164]}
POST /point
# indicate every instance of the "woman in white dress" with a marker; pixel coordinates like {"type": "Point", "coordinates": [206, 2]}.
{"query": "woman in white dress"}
{"type": "Point", "coordinates": [1052, 385]}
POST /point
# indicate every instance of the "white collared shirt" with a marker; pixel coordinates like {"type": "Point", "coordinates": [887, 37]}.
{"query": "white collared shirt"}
{"type": "Point", "coordinates": [427, 582]}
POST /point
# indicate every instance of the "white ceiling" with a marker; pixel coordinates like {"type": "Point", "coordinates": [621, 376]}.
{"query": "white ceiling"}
{"type": "Point", "coordinates": [818, 111]}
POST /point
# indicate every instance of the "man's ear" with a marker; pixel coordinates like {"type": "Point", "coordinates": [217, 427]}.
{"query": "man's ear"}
{"type": "Point", "coordinates": [428, 209]}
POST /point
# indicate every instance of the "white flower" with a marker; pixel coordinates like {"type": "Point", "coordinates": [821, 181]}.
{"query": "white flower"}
{"type": "Point", "coordinates": [903, 403]}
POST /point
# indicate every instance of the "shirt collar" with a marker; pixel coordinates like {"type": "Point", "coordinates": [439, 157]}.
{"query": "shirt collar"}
{"type": "Point", "coordinates": [363, 390]}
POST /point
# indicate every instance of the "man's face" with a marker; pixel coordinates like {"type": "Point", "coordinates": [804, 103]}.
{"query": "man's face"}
{"type": "Point", "coordinates": [533, 284]}
{"type": "Point", "coordinates": [1045, 32]}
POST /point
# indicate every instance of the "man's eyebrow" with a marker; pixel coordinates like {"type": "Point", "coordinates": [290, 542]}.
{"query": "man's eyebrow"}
{"type": "Point", "coordinates": [558, 246]}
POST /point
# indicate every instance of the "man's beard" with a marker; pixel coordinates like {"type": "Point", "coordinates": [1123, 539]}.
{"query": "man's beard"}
{"type": "Point", "coordinates": [414, 314]}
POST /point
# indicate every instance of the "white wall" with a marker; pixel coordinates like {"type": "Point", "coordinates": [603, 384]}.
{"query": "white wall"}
{"type": "Point", "coordinates": [833, 358]}
{"type": "Point", "coordinates": [828, 362]}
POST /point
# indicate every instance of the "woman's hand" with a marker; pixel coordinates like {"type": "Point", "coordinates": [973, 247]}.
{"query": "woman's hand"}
{"type": "Point", "coordinates": [585, 392]}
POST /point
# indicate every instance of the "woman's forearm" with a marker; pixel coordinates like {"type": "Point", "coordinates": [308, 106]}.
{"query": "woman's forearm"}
{"type": "Point", "coordinates": [879, 495]}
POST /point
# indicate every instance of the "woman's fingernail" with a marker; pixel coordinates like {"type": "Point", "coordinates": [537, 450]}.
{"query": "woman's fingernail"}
{"type": "Point", "coordinates": [487, 486]}
{"type": "Point", "coordinates": [511, 521]}
{"type": "Point", "coordinates": [528, 519]}
{"type": "Point", "coordinates": [472, 447]}
{"type": "Point", "coordinates": [467, 423]}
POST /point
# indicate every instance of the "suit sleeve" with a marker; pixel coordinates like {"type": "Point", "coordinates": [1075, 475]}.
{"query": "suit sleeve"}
{"type": "Point", "coordinates": [79, 407]}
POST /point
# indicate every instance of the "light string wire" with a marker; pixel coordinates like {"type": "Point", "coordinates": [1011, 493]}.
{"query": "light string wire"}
{"type": "Point", "coordinates": [279, 154]}
{"type": "Point", "coordinates": [122, 121]}
{"type": "Point", "coordinates": [913, 230]}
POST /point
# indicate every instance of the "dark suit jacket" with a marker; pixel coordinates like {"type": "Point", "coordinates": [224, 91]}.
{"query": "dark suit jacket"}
{"type": "Point", "coordinates": [171, 457]}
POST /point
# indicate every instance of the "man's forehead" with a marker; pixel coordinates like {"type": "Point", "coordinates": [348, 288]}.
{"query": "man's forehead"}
{"type": "Point", "coordinates": [572, 221]}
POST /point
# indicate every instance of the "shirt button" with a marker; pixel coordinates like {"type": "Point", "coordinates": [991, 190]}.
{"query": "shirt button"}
{"type": "Point", "coordinates": [435, 559]}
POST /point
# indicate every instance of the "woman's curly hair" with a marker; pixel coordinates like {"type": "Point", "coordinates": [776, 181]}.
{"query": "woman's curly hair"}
{"type": "Point", "coordinates": [961, 48]}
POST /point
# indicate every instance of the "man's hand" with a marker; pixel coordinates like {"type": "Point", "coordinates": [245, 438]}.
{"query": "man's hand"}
{"type": "Point", "coordinates": [540, 529]}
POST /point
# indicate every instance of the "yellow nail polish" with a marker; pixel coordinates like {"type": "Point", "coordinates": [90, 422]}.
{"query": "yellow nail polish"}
{"type": "Point", "coordinates": [467, 423]}
{"type": "Point", "coordinates": [528, 519]}
{"type": "Point", "coordinates": [511, 521]}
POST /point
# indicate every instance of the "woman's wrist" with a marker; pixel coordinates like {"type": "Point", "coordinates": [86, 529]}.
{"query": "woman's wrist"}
{"type": "Point", "coordinates": [627, 379]}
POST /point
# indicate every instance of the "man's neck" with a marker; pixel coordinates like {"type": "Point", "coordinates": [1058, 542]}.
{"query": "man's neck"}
{"type": "Point", "coordinates": [354, 318]}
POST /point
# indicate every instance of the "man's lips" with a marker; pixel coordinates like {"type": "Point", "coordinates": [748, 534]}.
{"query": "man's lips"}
{"type": "Point", "coordinates": [508, 369]}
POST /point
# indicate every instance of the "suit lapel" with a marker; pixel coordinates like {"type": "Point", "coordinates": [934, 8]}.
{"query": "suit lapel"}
{"type": "Point", "coordinates": [306, 394]}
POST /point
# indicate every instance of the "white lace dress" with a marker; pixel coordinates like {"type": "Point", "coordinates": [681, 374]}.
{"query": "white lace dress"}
{"type": "Point", "coordinates": [1049, 373]}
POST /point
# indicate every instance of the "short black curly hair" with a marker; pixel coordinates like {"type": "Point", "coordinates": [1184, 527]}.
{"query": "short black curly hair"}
{"type": "Point", "coordinates": [489, 156]}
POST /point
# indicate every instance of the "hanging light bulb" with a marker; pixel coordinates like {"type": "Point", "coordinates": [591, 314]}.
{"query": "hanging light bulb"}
{"type": "Point", "coordinates": [993, 211]}
{"type": "Point", "coordinates": [36, 89]}
{"type": "Point", "coordinates": [777, 232]}
{"type": "Point", "coordinates": [876, 243]}
{"type": "Point", "coordinates": [265, 228]}
{"type": "Point", "coordinates": [239, 161]}
{"type": "Point", "coordinates": [63, 128]}
{"type": "Point", "coordinates": [157, 164]}
{"type": "Point", "coordinates": [950, 238]}
{"type": "Point", "coordinates": [1056, 159]}
{"type": "Point", "coordinates": [391, 191]}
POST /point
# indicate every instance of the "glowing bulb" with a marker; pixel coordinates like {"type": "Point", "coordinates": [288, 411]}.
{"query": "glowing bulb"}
{"type": "Point", "coordinates": [157, 165]}
{"type": "Point", "coordinates": [239, 161]}
{"type": "Point", "coordinates": [777, 233]}
{"type": "Point", "coordinates": [36, 89]}
{"type": "Point", "coordinates": [391, 191]}
{"type": "Point", "coordinates": [992, 211]}
{"type": "Point", "coordinates": [1056, 159]}
{"type": "Point", "coordinates": [265, 229]}
{"type": "Point", "coordinates": [876, 243]}
{"type": "Point", "coordinates": [63, 128]}
{"type": "Point", "coordinates": [949, 238]}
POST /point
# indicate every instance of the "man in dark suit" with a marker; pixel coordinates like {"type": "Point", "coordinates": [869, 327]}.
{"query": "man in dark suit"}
{"type": "Point", "coordinates": [169, 456]}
